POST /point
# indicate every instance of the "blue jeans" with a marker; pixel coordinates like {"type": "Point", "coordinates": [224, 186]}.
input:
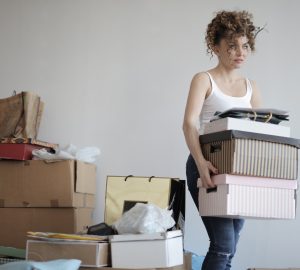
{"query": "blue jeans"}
{"type": "Point", "coordinates": [223, 233]}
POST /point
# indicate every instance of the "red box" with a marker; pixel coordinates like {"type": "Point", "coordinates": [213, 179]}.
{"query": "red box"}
{"type": "Point", "coordinates": [21, 148]}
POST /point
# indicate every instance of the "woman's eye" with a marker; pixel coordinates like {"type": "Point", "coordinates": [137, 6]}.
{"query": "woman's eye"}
{"type": "Point", "coordinates": [246, 46]}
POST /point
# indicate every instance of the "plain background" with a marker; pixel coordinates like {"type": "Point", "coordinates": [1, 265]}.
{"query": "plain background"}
{"type": "Point", "coordinates": [116, 74]}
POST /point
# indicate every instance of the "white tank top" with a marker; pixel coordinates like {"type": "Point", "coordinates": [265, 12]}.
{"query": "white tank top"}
{"type": "Point", "coordinates": [218, 101]}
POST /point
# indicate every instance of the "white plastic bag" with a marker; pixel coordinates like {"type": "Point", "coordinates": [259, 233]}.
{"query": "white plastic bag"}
{"type": "Point", "coordinates": [86, 154]}
{"type": "Point", "coordinates": [145, 218]}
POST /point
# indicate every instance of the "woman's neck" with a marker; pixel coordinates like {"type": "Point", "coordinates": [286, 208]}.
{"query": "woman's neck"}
{"type": "Point", "coordinates": [229, 75]}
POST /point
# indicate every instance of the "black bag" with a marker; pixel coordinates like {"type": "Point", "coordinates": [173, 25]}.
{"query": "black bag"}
{"type": "Point", "coordinates": [272, 116]}
{"type": "Point", "coordinates": [101, 229]}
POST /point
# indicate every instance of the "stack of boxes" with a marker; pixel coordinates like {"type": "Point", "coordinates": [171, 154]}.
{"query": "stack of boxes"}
{"type": "Point", "coordinates": [36, 195]}
{"type": "Point", "coordinates": [257, 170]}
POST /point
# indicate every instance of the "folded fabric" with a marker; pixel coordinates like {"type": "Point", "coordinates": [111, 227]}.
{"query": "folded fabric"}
{"type": "Point", "coordinates": [272, 116]}
{"type": "Point", "coordinates": [49, 265]}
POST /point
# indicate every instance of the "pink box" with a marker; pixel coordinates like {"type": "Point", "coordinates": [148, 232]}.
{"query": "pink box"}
{"type": "Point", "coordinates": [248, 197]}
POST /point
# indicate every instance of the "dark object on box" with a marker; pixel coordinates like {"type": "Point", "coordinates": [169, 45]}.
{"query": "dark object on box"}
{"type": "Point", "coordinates": [253, 154]}
{"type": "Point", "coordinates": [20, 115]}
{"type": "Point", "coordinates": [21, 148]}
{"type": "Point", "coordinates": [272, 116]}
{"type": "Point", "coordinates": [101, 229]}
{"type": "Point", "coordinates": [123, 192]}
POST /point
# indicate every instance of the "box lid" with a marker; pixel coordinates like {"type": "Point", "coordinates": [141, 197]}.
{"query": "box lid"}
{"type": "Point", "coordinates": [144, 237]}
{"type": "Point", "coordinates": [231, 134]}
{"type": "Point", "coordinates": [221, 179]}
{"type": "Point", "coordinates": [28, 141]}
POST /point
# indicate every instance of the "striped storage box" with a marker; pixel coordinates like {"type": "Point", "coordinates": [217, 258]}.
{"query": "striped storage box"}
{"type": "Point", "coordinates": [252, 154]}
{"type": "Point", "coordinates": [251, 197]}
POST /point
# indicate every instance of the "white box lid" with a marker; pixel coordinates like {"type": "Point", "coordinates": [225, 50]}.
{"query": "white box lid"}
{"type": "Point", "coordinates": [221, 179]}
{"type": "Point", "coordinates": [145, 237]}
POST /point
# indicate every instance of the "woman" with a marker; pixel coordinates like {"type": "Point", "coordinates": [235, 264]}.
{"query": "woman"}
{"type": "Point", "coordinates": [230, 37]}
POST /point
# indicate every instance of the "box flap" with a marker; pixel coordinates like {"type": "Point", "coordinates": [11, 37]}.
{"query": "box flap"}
{"type": "Point", "coordinates": [145, 237]}
{"type": "Point", "coordinates": [252, 181]}
{"type": "Point", "coordinates": [231, 134]}
{"type": "Point", "coordinates": [85, 177]}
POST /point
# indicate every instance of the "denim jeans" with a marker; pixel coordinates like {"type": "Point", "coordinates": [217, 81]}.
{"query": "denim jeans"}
{"type": "Point", "coordinates": [223, 233]}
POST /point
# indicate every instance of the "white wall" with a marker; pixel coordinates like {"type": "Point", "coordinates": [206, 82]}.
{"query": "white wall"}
{"type": "Point", "coordinates": [115, 74]}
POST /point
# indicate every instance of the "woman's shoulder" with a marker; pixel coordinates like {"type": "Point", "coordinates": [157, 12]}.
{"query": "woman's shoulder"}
{"type": "Point", "coordinates": [201, 83]}
{"type": "Point", "coordinates": [252, 84]}
{"type": "Point", "coordinates": [201, 77]}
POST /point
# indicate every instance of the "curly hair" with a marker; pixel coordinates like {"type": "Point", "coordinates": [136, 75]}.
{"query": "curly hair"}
{"type": "Point", "coordinates": [229, 25]}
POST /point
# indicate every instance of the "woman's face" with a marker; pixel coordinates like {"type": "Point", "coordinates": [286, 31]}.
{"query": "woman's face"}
{"type": "Point", "coordinates": [233, 53]}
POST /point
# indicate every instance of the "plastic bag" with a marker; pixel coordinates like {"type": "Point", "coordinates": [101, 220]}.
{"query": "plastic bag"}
{"type": "Point", "coordinates": [145, 218]}
{"type": "Point", "coordinates": [86, 154]}
{"type": "Point", "coordinates": [61, 264]}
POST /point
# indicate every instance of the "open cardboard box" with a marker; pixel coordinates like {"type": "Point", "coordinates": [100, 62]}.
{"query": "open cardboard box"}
{"type": "Point", "coordinates": [37, 183]}
{"type": "Point", "coordinates": [91, 254]}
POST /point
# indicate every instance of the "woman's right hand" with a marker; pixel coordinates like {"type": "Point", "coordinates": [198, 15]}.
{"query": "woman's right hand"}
{"type": "Point", "coordinates": [205, 171]}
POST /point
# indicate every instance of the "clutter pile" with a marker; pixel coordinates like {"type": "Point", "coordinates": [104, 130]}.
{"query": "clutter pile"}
{"type": "Point", "coordinates": [140, 235]}
{"type": "Point", "coordinates": [38, 195]}
{"type": "Point", "coordinates": [257, 170]}
{"type": "Point", "coordinates": [47, 194]}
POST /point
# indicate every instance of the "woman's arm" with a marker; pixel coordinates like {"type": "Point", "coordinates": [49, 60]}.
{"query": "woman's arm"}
{"type": "Point", "coordinates": [256, 100]}
{"type": "Point", "coordinates": [200, 86]}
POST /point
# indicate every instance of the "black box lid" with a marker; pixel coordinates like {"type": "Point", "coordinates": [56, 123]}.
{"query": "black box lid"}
{"type": "Point", "coordinates": [231, 134]}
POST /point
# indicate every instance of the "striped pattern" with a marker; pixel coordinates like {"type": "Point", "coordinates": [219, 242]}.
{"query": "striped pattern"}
{"type": "Point", "coordinates": [253, 158]}
{"type": "Point", "coordinates": [248, 201]}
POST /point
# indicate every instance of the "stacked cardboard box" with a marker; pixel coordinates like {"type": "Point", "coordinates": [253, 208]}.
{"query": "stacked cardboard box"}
{"type": "Point", "coordinates": [257, 171]}
{"type": "Point", "coordinates": [37, 195]}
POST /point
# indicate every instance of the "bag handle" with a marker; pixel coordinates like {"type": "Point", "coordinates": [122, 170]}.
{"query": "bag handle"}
{"type": "Point", "coordinates": [150, 178]}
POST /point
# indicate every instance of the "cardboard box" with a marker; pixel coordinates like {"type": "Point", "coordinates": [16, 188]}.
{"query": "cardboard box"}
{"type": "Point", "coordinates": [91, 254]}
{"type": "Point", "coordinates": [16, 222]}
{"type": "Point", "coordinates": [230, 123]}
{"type": "Point", "coordinates": [242, 196]}
{"type": "Point", "coordinates": [37, 183]}
{"type": "Point", "coordinates": [136, 251]}
{"type": "Point", "coordinates": [252, 154]}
